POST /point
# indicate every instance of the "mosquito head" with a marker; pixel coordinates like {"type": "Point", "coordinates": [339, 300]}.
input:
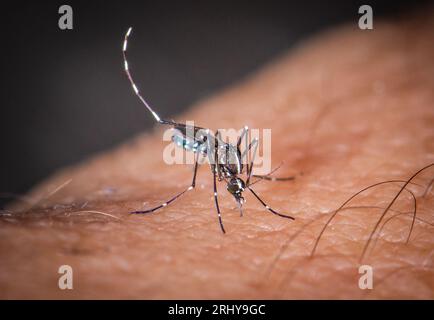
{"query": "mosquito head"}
{"type": "Point", "coordinates": [236, 187]}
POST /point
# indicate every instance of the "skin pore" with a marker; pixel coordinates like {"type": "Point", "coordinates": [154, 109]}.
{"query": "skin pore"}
{"type": "Point", "coordinates": [347, 109]}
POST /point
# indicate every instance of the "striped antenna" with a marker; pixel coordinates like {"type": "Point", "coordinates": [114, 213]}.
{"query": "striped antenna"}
{"type": "Point", "coordinates": [127, 71]}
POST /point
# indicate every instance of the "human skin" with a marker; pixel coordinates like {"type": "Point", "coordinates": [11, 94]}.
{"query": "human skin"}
{"type": "Point", "coordinates": [347, 109]}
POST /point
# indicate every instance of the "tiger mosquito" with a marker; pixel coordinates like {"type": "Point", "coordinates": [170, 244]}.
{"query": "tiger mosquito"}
{"type": "Point", "coordinates": [225, 159]}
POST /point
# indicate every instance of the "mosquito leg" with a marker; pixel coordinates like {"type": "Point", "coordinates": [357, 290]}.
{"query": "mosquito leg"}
{"type": "Point", "coordinates": [217, 202]}
{"type": "Point", "coordinates": [253, 144]}
{"type": "Point", "coordinates": [212, 151]}
{"type": "Point", "coordinates": [216, 146]}
{"type": "Point", "coordinates": [246, 154]}
{"type": "Point", "coordinates": [267, 177]}
{"type": "Point", "coordinates": [133, 84]}
{"type": "Point", "coordinates": [254, 193]}
{"type": "Point", "coordinates": [268, 208]}
{"type": "Point", "coordinates": [191, 187]}
{"type": "Point", "coordinates": [244, 134]}
{"type": "Point", "coordinates": [240, 138]}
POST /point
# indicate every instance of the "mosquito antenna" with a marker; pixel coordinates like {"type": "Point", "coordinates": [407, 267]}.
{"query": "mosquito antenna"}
{"type": "Point", "coordinates": [269, 208]}
{"type": "Point", "coordinates": [127, 71]}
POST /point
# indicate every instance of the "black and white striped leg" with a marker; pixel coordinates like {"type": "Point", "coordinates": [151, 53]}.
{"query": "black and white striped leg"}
{"type": "Point", "coordinates": [253, 144]}
{"type": "Point", "coordinates": [212, 151]}
{"type": "Point", "coordinates": [268, 178]}
{"type": "Point", "coordinates": [191, 187]}
{"type": "Point", "coordinates": [136, 88]}
{"type": "Point", "coordinates": [217, 202]}
{"type": "Point", "coordinates": [242, 135]}
{"type": "Point", "coordinates": [245, 154]}
{"type": "Point", "coordinates": [216, 159]}
{"type": "Point", "coordinates": [269, 208]}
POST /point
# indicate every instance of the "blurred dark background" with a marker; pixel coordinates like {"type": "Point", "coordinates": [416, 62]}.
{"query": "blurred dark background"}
{"type": "Point", "coordinates": [64, 93]}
